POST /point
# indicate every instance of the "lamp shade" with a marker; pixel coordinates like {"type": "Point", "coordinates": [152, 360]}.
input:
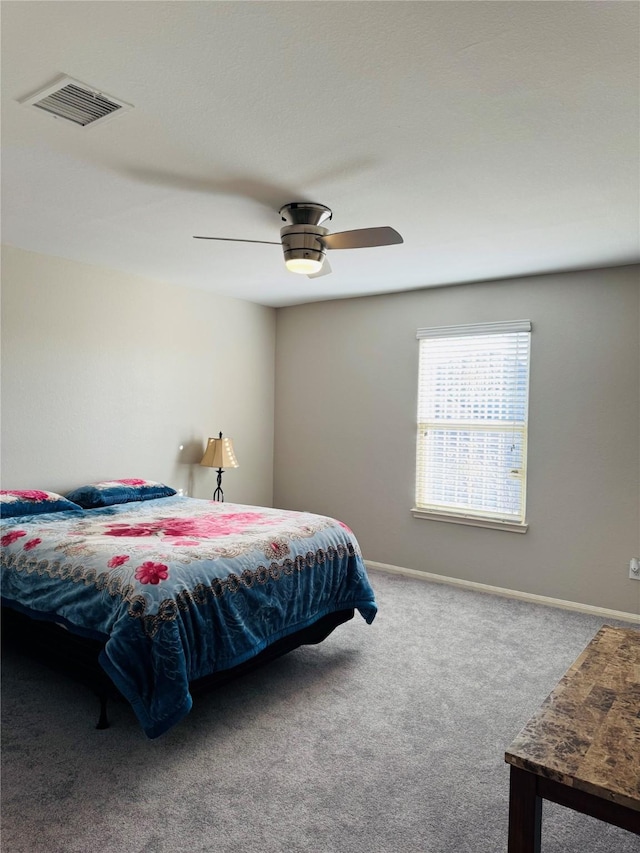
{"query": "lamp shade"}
{"type": "Point", "coordinates": [219, 454]}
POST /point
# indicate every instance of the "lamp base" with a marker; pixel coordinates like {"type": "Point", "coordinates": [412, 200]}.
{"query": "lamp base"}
{"type": "Point", "coordinates": [218, 495]}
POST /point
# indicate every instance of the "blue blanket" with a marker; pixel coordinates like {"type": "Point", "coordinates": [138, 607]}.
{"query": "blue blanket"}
{"type": "Point", "coordinates": [180, 588]}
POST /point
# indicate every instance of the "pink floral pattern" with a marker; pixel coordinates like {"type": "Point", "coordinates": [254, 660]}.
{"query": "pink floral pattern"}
{"type": "Point", "coordinates": [118, 560]}
{"type": "Point", "coordinates": [202, 527]}
{"type": "Point", "coordinates": [153, 573]}
{"type": "Point", "coordinates": [27, 494]}
{"type": "Point", "coordinates": [132, 482]}
{"type": "Point", "coordinates": [32, 543]}
{"type": "Point", "coordinates": [11, 537]}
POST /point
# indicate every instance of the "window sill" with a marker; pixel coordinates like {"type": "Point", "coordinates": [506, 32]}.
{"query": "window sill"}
{"type": "Point", "coordinates": [510, 526]}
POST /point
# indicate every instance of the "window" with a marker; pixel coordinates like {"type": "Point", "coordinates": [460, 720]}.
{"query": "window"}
{"type": "Point", "coordinates": [473, 392]}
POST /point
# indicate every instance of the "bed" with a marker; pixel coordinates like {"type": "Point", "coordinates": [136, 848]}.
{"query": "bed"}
{"type": "Point", "coordinates": [161, 596]}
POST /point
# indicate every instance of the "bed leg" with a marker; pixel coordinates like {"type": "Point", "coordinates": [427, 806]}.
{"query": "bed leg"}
{"type": "Point", "coordinates": [103, 720]}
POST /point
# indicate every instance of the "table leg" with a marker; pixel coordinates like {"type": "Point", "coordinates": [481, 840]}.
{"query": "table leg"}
{"type": "Point", "coordinates": [525, 812]}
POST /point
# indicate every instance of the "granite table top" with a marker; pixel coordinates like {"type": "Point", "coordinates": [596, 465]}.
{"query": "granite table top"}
{"type": "Point", "coordinates": [586, 733]}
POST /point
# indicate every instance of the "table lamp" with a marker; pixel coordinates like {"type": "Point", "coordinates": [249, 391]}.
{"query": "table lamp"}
{"type": "Point", "coordinates": [219, 454]}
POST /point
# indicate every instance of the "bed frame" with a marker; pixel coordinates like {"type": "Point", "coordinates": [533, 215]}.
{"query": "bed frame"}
{"type": "Point", "coordinates": [77, 656]}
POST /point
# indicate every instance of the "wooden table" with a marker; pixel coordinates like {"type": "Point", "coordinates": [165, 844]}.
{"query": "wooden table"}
{"type": "Point", "coordinates": [582, 748]}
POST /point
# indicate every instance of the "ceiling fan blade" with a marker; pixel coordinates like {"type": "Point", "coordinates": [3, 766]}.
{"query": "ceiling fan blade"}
{"type": "Point", "coordinates": [325, 269]}
{"type": "Point", "coordinates": [362, 238]}
{"type": "Point", "coordinates": [237, 240]}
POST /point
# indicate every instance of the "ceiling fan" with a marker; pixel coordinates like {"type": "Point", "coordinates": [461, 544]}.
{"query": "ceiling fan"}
{"type": "Point", "coordinates": [305, 240]}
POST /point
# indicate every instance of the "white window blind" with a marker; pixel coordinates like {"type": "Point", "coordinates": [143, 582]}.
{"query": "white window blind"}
{"type": "Point", "coordinates": [472, 421]}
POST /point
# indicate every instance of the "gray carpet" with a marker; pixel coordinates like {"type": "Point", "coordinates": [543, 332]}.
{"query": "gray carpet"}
{"type": "Point", "coordinates": [387, 738]}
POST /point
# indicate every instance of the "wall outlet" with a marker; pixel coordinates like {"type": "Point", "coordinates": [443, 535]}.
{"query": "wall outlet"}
{"type": "Point", "coordinates": [634, 568]}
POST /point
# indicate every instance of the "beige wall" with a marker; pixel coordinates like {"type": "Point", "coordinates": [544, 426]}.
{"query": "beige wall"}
{"type": "Point", "coordinates": [346, 374]}
{"type": "Point", "coordinates": [106, 374]}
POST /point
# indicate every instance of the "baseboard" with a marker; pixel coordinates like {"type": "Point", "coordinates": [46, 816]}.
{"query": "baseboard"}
{"type": "Point", "coordinates": [602, 612]}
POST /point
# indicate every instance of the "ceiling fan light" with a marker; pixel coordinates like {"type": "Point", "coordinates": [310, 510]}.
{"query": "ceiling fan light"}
{"type": "Point", "coordinates": [303, 266]}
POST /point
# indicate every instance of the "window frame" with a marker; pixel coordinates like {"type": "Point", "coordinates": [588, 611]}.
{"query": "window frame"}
{"type": "Point", "coordinates": [469, 516]}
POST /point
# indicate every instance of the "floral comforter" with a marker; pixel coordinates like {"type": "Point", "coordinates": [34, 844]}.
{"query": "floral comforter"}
{"type": "Point", "coordinates": [180, 588]}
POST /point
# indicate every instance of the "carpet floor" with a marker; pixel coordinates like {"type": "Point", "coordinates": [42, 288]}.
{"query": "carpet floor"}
{"type": "Point", "coordinates": [387, 738]}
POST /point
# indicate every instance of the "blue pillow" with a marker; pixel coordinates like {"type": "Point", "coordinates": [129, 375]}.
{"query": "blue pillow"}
{"type": "Point", "coordinates": [15, 502]}
{"type": "Point", "coordinates": [118, 492]}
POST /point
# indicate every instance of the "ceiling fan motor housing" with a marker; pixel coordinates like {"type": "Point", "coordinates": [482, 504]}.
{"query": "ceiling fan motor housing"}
{"type": "Point", "coordinates": [304, 213]}
{"type": "Point", "coordinates": [303, 241]}
{"type": "Point", "coordinates": [301, 237]}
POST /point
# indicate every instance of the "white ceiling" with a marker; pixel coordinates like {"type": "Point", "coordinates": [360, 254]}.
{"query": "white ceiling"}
{"type": "Point", "coordinates": [499, 138]}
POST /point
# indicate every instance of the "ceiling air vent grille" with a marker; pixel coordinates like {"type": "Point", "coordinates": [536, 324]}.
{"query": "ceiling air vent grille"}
{"type": "Point", "coordinates": [76, 102]}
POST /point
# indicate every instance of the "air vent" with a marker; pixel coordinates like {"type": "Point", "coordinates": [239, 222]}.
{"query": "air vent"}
{"type": "Point", "coordinates": [76, 102]}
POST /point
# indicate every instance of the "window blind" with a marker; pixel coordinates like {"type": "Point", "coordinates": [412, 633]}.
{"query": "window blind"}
{"type": "Point", "coordinates": [472, 420]}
